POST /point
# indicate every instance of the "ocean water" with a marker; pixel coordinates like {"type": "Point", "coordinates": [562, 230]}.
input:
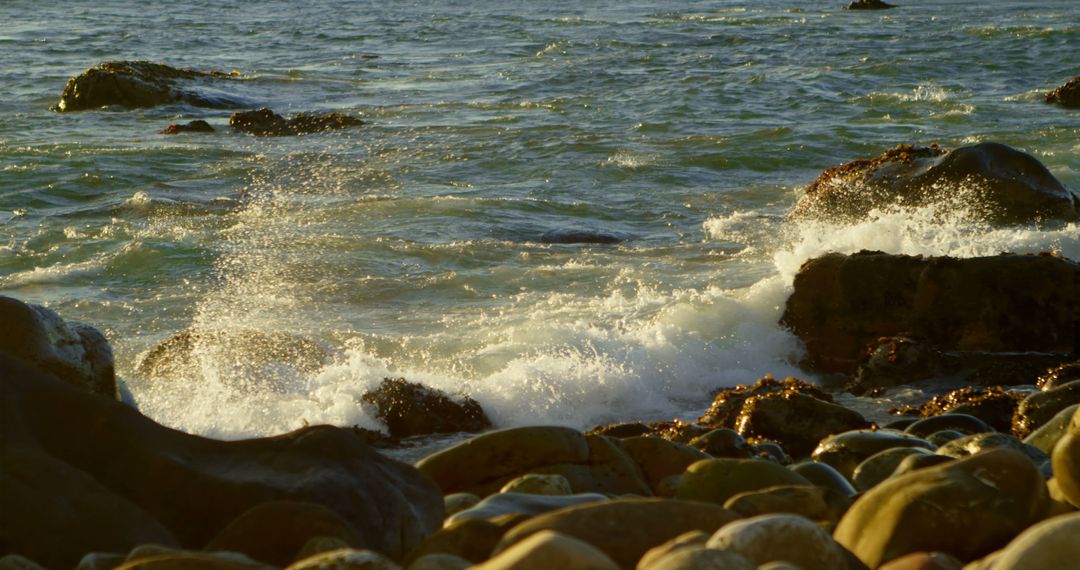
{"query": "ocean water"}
{"type": "Point", "coordinates": [411, 246]}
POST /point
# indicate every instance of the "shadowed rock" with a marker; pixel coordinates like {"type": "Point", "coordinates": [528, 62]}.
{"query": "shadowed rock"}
{"type": "Point", "coordinates": [869, 5]}
{"type": "Point", "coordinates": [1067, 95]}
{"type": "Point", "coordinates": [412, 409]}
{"type": "Point", "coordinates": [196, 126]}
{"type": "Point", "coordinates": [264, 122]}
{"type": "Point", "coordinates": [579, 236]}
{"type": "Point", "coordinates": [141, 84]}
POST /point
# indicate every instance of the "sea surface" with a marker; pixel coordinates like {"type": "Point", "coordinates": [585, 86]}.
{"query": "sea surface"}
{"type": "Point", "coordinates": [411, 246]}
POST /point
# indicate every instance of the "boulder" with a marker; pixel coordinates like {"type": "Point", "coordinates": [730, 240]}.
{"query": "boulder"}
{"type": "Point", "coordinates": [537, 484]}
{"type": "Point", "coordinates": [881, 465]}
{"type": "Point", "coordinates": [141, 84]}
{"type": "Point", "coordinates": [846, 451]}
{"type": "Point", "coordinates": [659, 458]}
{"type": "Point", "coordinates": [609, 469]}
{"type": "Point", "coordinates": [411, 409]}
{"type": "Point", "coordinates": [979, 442]}
{"type": "Point", "coordinates": [625, 529]}
{"type": "Point", "coordinates": [345, 559]}
{"type": "Point", "coordinates": [693, 540]}
{"type": "Point", "coordinates": [991, 180]}
{"type": "Point", "coordinates": [717, 480]}
{"type": "Point", "coordinates": [546, 550]}
{"type": "Point", "coordinates": [963, 423]}
{"type": "Point", "coordinates": [457, 502]}
{"type": "Point", "coordinates": [783, 537]}
{"type": "Point", "coordinates": [264, 122]}
{"type": "Point", "coordinates": [894, 361]}
{"type": "Point", "coordinates": [698, 558]}
{"type": "Point", "coordinates": [1049, 545]}
{"type": "Point", "coordinates": [1006, 304]}
{"type": "Point", "coordinates": [967, 508]}
{"type": "Point", "coordinates": [1048, 434]}
{"type": "Point", "coordinates": [196, 126]}
{"type": "Point", "coordinates": [917, 461]}
{"type": "Point", "coordinates": [106, 478]}
{"type": "Point", "coordinates": [187, 559]}
{"type": "Point", "coordinates": [75, 353]}
{"type": "Point", "coordinates": [1066, 461]}
{"type": "Point", "coordinates": [274, 532]}
{"type": "Point", "coordinates": [824, 475]}
{"type": "Point", "coordinates": [440, 562]}
{"type": "Point", "coordinates": [528, 504]}
{"type": "Point", "coordinates": [924, 561]}
{"type": "Point", "coordinates": [728, 403]}
{"type": "Point", "coordinates": [622, 430]}
{"type": "Point", "coordinates": [1041, 407]}
{"type": "Point", "coordinates": [471, 539]}
{"type": "Point", "coordinates": [991, 405]}
{"type": "Point", "coordinates": [797, 421]}
{"type": "Point", "coordinates": [820, 504]}
{"type": "Point", "coordinates": [869, 5]}
{"type": "Point", "coordinates": [1067, 95]}
{"type": "Point", "coordinates": [1059, 375]}
{"type": "Point", "coordinates": [940, 438]}
{"type": "Point", "coordinates": [723, 442]}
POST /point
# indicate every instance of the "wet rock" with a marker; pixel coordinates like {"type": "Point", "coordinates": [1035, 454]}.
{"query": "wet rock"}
{"type": "Point", "coordinates": [924, 561]}
{"type": "Point", "coordinates": [522, 503]}
{"type": "Point", "coordinates": [992, 180]}
{"type": "Point", "coordinates": [440, 562]}
{"type": "Point", "coordinates": [275, 531]}
{"type": "Point", "coordinates": [879, 466]}
{"type": "Point", "coordinates": [659, 458]}
{"type": "Point", "coordinates": [471, 539]}
{"type": "Point", "coordinates": [1059, 376]}
{"type": "Point", "coordinates": [963, 423]}
{"type": "Point", "coordinates": [717, 480]}
{"type": "Point", "coordinates": [693, 540]}
{"type": "Point", "coordinates": [196, 126]}
{"type": "Point", "coordinates": [966, 508]}
{"type": "Point", "coordinates": [320, 545]}
{"type": "Point", "coordinates": [1012, 304]}
{"type": "Point", "coordinates": [771, 451]}
{"type": "Point", "coordinates": [1067, 95]}
{"type": "Point", "coordinates": [609, 469]}
{"type": "Point", "coordinates": [137, 482]}
{"type": "Point", "coordinates": [101, 561]}
{"type": "Point", "coordinates": [918, 461]}
{"type": "Point", "coordinates": [824, 475]}
{"type": "Point", "coordinates": [846, 451]}
{"type": "Point", "coordinates": [991, 405]}
{"type": "Point", "coordinates": [1048, 434]}
{"type": "Point", "coordinates": [1066, 462]}
{"type": "Point", "coordinates": [797, 421]}
{"type": "Point", "coordinates": [568, 236]}
{"type": "Point", "coordinates": [75, 353]}
{"type": "Point", "coordinates": [537, 484]}
{"type": "Point", "coordinates": [699, 558]}
{"type": "Point", "coordinates": [780, 537]}
{"type": "Point", "coordinates": [264, 122]}
{"type": "Point", "coordinates": [894, 361]}
{"type": "Point", "coordinates": [622, 431]}
{"type": "Point", "coordinates": [820, 504]}
{"type": "Point", "coordinates": [345, 559]}
{"type": "Point", "coordinates": [411, 409]}
{"type": "Point", "coordinates": [1049, 545]}
{"type": "Point", "coordinates": [641, 523]}
{"type": "Point", "coordinates": [141, 84]}
{"type": "Point", "coordinates": [869, 5]}
{"type": "Point", "coordinates": [500, 453]}
{"type": "Point", "coordinates": [728, 403]}
{"type": "Point", "coordinates": [547, 549]}
{"type": "Point", "coordinates": [976, 443]}
{"type": "Point", "coordinates": [723, 442]}
{"type": "Point", "coordinates": [1041, 407]}
{"type": "Point", "coordinates": [940, 438]}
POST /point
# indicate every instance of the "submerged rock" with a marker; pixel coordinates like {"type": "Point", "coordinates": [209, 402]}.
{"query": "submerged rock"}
{"type": "Point", "coordinates": [411, 409]}
{"type": "Point", "coordinates": [140, 84]}
{"type": "Point", "coordinates": [264, 122]}
{"type": "Point", "coordinates": [1067, 95]}
{"type": "Point", "coordinates": [579, 236]}
{"type": "Point", "coordinates": [196, 126]}
{"type": "Point", "coordinates": [869, 5]}
{"type": "Point", "coordinates": [993, 181]}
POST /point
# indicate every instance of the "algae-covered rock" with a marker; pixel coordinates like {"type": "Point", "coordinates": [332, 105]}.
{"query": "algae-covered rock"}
{"type": "Point", "coordinates": [783, 537]}
{"type": "Point", "coordinates": [411, 409]}
{"type": "Point", "coordinates": [1068, 95]}
{"type": "Point", "coordinates": [717, 480]}
{"type": "Point", "coordinates": [141, 84]}
{"type": "Point", "coordinates": [967, 508]}
{"type": "Point", "coordinates": [723, 442]}
{"type": "Point", "coordinates": [1040, 407]}
{"type": "Point", "coordinates": [726, 405]}
{"type": "Point", "coordinates": [1059, 375]}
{"type": "Point", "coordinates": [264, 122]}
{"type": "Point", "coordinates": [847, 450]}
{"type": "Point", "coordinates": [796, 421]}
{"type": "Point", "coordinates": [994, 406]}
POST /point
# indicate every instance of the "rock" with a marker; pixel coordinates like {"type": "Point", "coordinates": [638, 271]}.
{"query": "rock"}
{"type": "Point", "coordinates": [504, 452]}
{"type": "Point", "coordinates": [723, 442]}
{"type": "Point", "coordinates": [1066, 462]}
{"type": "Point", "coordinates": [622, 430]}
{"type": "Point", "coordinates": [1048, 434]}
{"type": "Point", "coordinates": [846, 451]}
{"type": "Point", "coordinates": [274, 532]}
{"type": "Point", "coordinates": [896, 360]}
{"type": "Point", "coordinates": [824, 475]}
{"type": "Point", "coordinates": [879, 466]}
{"type": "Point", "coordinates": [1067, 95]}
{"type": "Point", "coordinates": [625, 529]}
{"type": "Point", "coordinates": [77, 354]}
{"type": "Point", "coordinates": [1059, 376]}
{"type": "Point", "coordinates": [991, 405]}
{"type": "Point", "coordinates": [727, 404]}
{"type": "Point", "coordinates": [1041, 407]}
{"type": "Point", "coordinates": [16, 562]}
{"type": "Point", "coordinates": [700, 558]}
{"type": "Point", "coordinates": [820, 504]}
{"type": "Point", "coordinates": [184, 560]}
{"type": "Point", "coordinates": [546, 550]}
{"type": "Point", "coordinates": [610, 469]}
{"type": "Point", "coordinates": [966, 508]}
{"type": "Point", "coordinates": [1048, 545]}
{"type": "Point", "coordinates": [992, 180]}
{"type": "Point", "coordinates": [522, 503]}
{"type": "Point", "coordinates": [101, 561]}
{"type": "Point", "coordinates": [924, 561]}
{"type": "Point", "coordinates": [569, 236]}
{"type": "Point", "coordinates": [457, 502]}
{"type": "Point", "coordinates": [919, 461]}
{"type": "Point", "coordinates": [536, 484]}
{"type": "Point", "coordinates": [346, 559]}
{"type": "Point", "coordinates": [107, 478]}
{"type": "Point", "coordinates": [140, 84]}
{"type": "Point", "coordinates": [659, 458]}
{"type": "Point", "coordinates": [264, 122]}
{"type": "Point", "coordinates": [869, 5]}
{"type": "Point", "coordinates": [717, 480]}
{"type": "Point", "coordinates": [771, 451]}
{"type": "Point", "coordinates": [196, 126]}
{"type": "Point", "coordinates": [411, 409]}
{"type": "Point", "coordinates": [963, 423]}
{"type": "Point", "coordinates": [976, 443]}
{"type": "Point", "coordinates": [470, 539]}
{"type": "Point", "coordinates": [1001, 304]}
{"type": "Point", "coordinates": [678, 430]}
{"type": "Point", "coordinates": [940, 438]}
{"type": "Point", "coordinates": [789, 538]}
{"type": "Point", "coordinates": [692, 540]}
{"type": "Point", "coordinates": [440, 562]}
{"type": "Point", "coordinates": [319, 545]}
{"type": "Point", "coordinates": [797, 421]}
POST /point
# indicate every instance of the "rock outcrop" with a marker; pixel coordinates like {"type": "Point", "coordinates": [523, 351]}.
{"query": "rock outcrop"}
{"type": "Point", "coordinates": [1067, 95]}
{"type": "Point", "coordinates": [142, 84]}
{"type": "Point", "coordinates": [411, 409]}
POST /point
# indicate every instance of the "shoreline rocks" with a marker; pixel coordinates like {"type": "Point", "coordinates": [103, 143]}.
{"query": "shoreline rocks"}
{"type": "Point", "coordinates": [264, 122]}
{"type": "Point", "coordinates": [135, 84]}
{"type": "Point", "coordinates": [1068, 95]}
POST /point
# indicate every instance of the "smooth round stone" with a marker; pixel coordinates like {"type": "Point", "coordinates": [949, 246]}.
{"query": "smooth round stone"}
{"type": "Point", "coordinates": [18, 562]}
{"type": "Point", "coordinates": [879, 466]}
{"type": "Point", "coordinates": [824, 475]}
{"type": "Point", "coordinates": [688, 540]}
{"type": "Point", "coordinates": [772, 451]}
{"type": "Point", "coordinates": [457, 502]}
{"type": "Point", "coordinates": [915, 462]}
{"type": "Point", "coordinates": [549, 550]}
{"type": "Point", "coordinates": [1041, 407]}
{"type": "Point", "coordinates": [940, 438]}
{"type": "Point", "coordinates": [700, 558]}
{"type": "Point", "coordinates": [1066, 462]}
{"type": "Point", "coordinates": [972, 444]}
{"type": "Point", "coordinates": [723, 442]}
{"type": "Point", "coordinates": [523, 503]}
{"type": "Point", "coordinates": [539, 484]}
{"type": "Point", "coordinates": [924, 561]}
{"type": "Point", "coordinates": [717, 480]}
{"type": "Point", "coordinates": [820, 504]}
{"type": "Point", "coordinates": [1047, 436]}
{"type": "Point", "coordinates": [963, 423]}
{"type": "Point", "coordinates": [847, 450]}
{"type": "Point", "coordinates": [1050, 545]}
{"type": "Point", "coordinates": [788, 538]}
{"type": "Point", "coordinates": [345, 559]}
{"type": "Point", "coordinates": [900, 424]}
{"type": "Point", "coordinates": [659, 458]}
{"type": "Point", "coordinates": [101, 561]}
{"type": "Point", "coordinates": [440, 562]}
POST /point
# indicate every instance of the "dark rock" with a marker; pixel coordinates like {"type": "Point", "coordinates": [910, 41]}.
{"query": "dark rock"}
{"type": "Point", "coordinates": [976, 443]}
{"type": "Point", "coordinates": [824, 475]}
{"type": "Point", "coordinates": [771, 451]}
{"type": "Point", "coordinates": [960, 422]}
{"type": "Point", "coordinates": [846, 451]}
{"type": "Point", "coordinates": [717, 480]}
{"type": "Point", "coordinates": [609, 469]}
{"type": "Point", "coordinates": [140, 84]}
{"type": "Point", "coordinates": [1003, 304]}
{"type": "Point", "coordinates": [579, 236]}
{"type": "Point", "coordinates": [527, 504]}
{"type": "Point", "coordinates": [660, 458]}
{"type": "Point", "coordinates": [411, 409]}
{"type": "Point", "coordinates": [723, 442]}
{"type": "Point", "coordinates": [728, 403]}
{"type": "Point", "coordinates": [105, 478]}
{"type": "Point", "coordinates": [881, 465]}
{"type": "Point", "coordinates": [869, 5]}
{"type": "Point", "coordinates": [940, 438]}
{"type": "Point", "coordinates": [1048, 434]}
{"type": "Point", "coordinates": [196, 126]}
{"type": "Point", "coordinates": [678, 430]}
{"type": "Point", "coordinates": [820, 504]}
{"type": "Point", "coordinates": [622, 431]}
{"type": "Point", "coordinates": [1041, 407]}
{"type": "Point", "coordinates": [1067, 95]}
{"type": "Point", "coordinates": [894, 361]}
{"type": "Point", "coordinates": [1059, 376]}
{"type": "Point", "coordinates": [797, 421]}
{"type": "Point", "coordinates": [991, 405]}
{"type": "Point", "coordinates": [77, 354]}
{"type": "Point", "coordinates": [918, 461]}
{"type": "Point", "coordinates": [924, 561]}
{"type": "Point", "coordinates": [471, 539]}
{"type": "Point", "coordinates": [994, 181]}
{"type": "Point", "coordinates": [264, 122]}
{"type": "Point", "coordinates": [274, 532]}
